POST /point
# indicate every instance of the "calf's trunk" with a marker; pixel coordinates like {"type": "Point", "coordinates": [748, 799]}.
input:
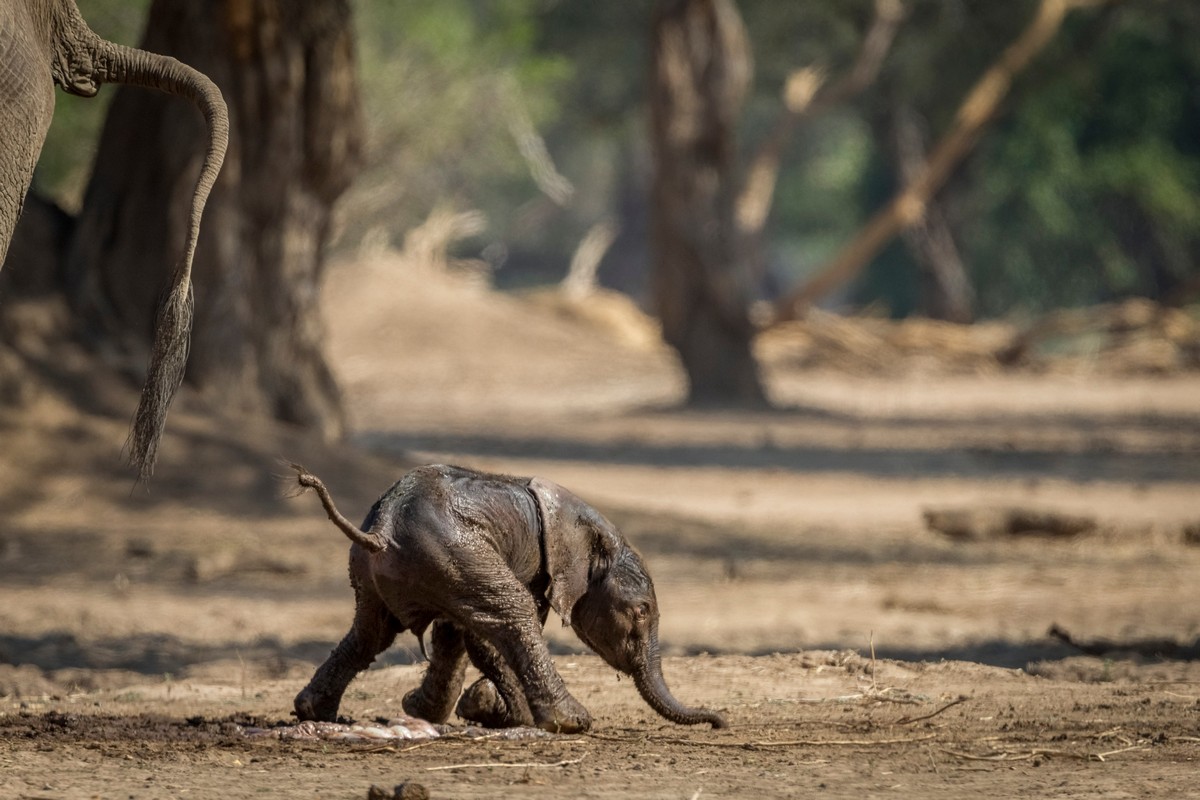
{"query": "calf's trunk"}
{"type": "Point", "coordinates": [648, 678]}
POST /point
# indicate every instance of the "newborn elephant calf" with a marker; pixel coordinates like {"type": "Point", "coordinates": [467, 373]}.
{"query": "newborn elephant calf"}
{"type": "Point", "coordinates": [482, 558]}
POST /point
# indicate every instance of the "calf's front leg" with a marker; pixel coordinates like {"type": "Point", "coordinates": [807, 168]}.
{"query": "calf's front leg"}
{"type": "Point", "coordinates": [501, 612]}
{"type": "Point", "coordinates": [496, 700]}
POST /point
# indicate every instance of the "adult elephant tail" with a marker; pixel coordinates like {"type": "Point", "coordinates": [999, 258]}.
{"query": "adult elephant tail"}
{"type": "Point", "coordinates": [172, 330]}
{"type": "Point", "coordinates": [84, 61]}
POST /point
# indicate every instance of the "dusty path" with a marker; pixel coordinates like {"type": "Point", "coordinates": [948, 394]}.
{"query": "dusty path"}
{"type": "Point", "coordinates": [779, 543]}
{"type": "Point", "coordinates": [802, 725]}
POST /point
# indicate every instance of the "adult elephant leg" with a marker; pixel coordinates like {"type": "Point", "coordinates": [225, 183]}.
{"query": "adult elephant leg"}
{"type": "Point", "coordinates": [502, 612]}
{"type": "Point", "coordinates": [496, 700]}
{"type": "Point", "coordinates": [434, 699]}
{"type": "Point", "coordinates": [26, 107]}
{"type": "Point", "coordinates": [373, 631]}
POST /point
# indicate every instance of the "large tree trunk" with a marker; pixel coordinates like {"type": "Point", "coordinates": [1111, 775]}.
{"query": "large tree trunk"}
{"type": "Point", "coordinates": [701, 67]}
{"type": "Point", "coordinates": [286, 68]}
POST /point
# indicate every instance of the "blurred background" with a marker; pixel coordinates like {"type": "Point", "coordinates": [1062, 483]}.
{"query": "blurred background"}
{"type": "Point", "coordinates": [726, 166]}
{"type": "Point", "coordinates": [534, 113]}
{"type": "Point", "coordinates": [765, 281]}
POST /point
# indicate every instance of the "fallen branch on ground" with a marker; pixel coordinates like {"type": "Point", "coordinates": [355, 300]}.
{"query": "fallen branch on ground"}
{"type": "Point", "coordinates": [1152, 648]}
{"type": "Point", "coordinates": [980, 523]}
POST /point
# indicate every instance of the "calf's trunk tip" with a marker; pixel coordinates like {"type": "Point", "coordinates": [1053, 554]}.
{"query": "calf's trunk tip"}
{"type": "Point", "coordinates": [651, 685]}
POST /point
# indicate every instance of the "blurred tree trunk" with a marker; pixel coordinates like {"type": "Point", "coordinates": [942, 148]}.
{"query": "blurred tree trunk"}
{"type": "Point", "coordinates": [286, 68]}
{"type": "Point", "coordinates": [700, 70]}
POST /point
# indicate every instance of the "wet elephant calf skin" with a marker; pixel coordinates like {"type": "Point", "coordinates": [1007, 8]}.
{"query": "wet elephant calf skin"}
{"type": "Point", "coordinates": [483, 559]}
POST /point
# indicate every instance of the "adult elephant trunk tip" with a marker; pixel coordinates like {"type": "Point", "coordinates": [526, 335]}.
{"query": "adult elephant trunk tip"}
{"type": "Point", "coordinates": [653, 688]}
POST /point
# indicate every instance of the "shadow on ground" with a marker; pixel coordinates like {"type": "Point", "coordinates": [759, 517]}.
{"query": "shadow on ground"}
{"type": "Point", "coordinates": [160, 654]}
{"type": "Point", "coordinates": [1097, 462]}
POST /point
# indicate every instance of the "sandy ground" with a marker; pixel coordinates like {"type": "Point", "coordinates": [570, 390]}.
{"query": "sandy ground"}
{"type": "Point", "coordinates": [140, 626]}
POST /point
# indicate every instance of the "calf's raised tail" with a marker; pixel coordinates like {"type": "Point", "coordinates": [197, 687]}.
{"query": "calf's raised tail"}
{"type": "Point", "coordinates": [371, 540]}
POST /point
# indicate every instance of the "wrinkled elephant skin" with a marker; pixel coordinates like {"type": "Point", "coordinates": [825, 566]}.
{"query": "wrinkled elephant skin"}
{"type": "Point", "coordinates": [483, 559]}
{"type": "Point", "coordinates": [44, 43]}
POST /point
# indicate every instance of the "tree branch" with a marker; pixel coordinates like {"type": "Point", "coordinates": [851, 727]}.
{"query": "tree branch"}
{"type": "Point", "coordinates": [806, 94]}
{"type": "Point", "coordinates": [908, 206]}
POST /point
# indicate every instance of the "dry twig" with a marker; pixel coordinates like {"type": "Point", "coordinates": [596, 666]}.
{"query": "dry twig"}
{"type": "Point", "coordinates": [453, 738]}
{"type": "Point", "coordinates": [1011, 755]}
{"type": "Point", "coordinates": [951, 704]}
{"type": "Point", "coordinates": [843, 742]}
{"type": "Point", "coordinates": [766, 745]}
{"type": "Point", "coordinates": [886, 695]}
{"type": "Point", "coordinates": [524, 765]}
{"type": "Point", "coordinates": [1101, 756]}
{"type": "Point", "coordinates": [1025, 755]}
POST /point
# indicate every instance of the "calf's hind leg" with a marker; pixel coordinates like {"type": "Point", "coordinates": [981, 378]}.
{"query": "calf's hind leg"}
{"type": "Point", "coordinates": [373, 631]}
{"type": "Point", "coordinates": [434, 699]}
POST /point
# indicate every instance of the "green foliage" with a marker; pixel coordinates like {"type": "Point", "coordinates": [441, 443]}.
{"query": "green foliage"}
{"type": "Point", "coordinates": [442, 82]}
{"type": "Point", "coordinates": [1086, 188]}
{"type": "Point", "coordinates": [1090, 189]}
{"type": "Point", "coordinates": [819, 201]}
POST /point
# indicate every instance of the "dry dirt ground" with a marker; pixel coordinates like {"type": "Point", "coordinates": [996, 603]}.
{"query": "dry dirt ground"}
{"type": "Point", "coordinates": [141, 626]}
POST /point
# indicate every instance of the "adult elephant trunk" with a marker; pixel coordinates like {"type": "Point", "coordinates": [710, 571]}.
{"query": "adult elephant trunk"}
{"type": "Point", "coordinates": [86, 61]}
{"type": "Point", "coordinates": [648, 678]}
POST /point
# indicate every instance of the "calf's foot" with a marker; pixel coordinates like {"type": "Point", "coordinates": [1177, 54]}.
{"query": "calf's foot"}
{"type": "Point", "coordinates": [484, 706]}
{"type": "Point", "coordinates": [566, 716]}
{"type": "Point", "coordinates": [417, 703]}
{"type": "Point", "coordinates": [310, 705]}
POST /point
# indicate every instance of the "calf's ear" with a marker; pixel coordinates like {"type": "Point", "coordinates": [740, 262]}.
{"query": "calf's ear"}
{"type": "Point", "coordinates": [578, 541]}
